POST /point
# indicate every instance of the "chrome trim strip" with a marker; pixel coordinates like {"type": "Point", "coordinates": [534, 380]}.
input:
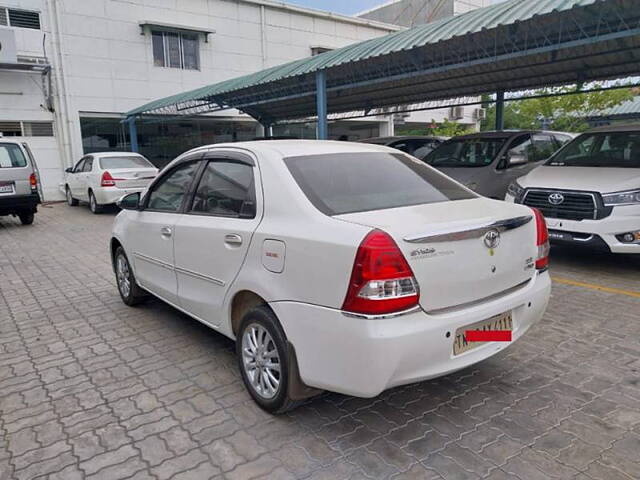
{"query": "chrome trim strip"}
{"type": "Point", "coordinates": [471, 232]}
{"type": "Point", "coordinates": [495, 296]}
{"type": "Point", "coordinates": [200, 276]}
{"type": "Point", "coordinates": [364, 316]}
{"type": "Point", "coordinates": [155, 261]}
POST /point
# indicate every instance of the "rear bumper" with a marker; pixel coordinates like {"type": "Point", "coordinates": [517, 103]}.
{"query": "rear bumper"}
{"type": "Point", "coordinates": [19, 203]}
{"type": "Point", "coordinates": [364, 357]}
{"type": "Point", "coordinates": [109, 195]}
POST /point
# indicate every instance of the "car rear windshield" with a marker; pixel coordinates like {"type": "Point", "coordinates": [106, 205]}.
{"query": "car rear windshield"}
{"type": "Point", "coordinates": [359, 182]}
{"type": "Point", "coordinates": [124, 162]}
{"type": "Point", "coordinates": [11, 156]}
{"type": "Point", "coordinates": [466, 152]}
{"type": "Point", "coordinates": [612, 149]}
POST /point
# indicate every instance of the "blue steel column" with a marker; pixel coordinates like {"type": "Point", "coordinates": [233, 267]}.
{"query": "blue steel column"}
{"type": "Point", "coordinates": [133, 134]}
{"type": "Point", "coordinates": [321, 104]}
{"type": "Point", "coordinates": [500, 110]}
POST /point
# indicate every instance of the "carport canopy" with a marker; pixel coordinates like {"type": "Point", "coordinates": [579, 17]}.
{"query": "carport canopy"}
{"type": "Point", "coordinates": [514, 45]}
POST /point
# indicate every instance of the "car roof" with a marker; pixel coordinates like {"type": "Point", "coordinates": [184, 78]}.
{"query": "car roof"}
{"type": "Point", "coordinates": [387, 140]}
{"type": "Point", "coordinates": [617, 128]}
{"type": "Point", "coordinates": [113, 154]}
{"type": "Point", "coordinates": [497, 133]}
{"type": "Point", "coordinates": [299, 148]}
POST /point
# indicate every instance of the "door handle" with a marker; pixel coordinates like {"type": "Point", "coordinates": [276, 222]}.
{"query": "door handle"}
{"type": "Point", "coordinates": [166, 232]}
{"type": "Point", "coordinates": [233, 239]}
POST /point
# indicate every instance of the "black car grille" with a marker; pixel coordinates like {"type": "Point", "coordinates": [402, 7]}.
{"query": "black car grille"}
{"type": "Point", "coordinates": [575, 205]}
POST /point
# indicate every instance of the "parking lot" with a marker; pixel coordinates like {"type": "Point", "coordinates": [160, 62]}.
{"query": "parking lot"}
{"type": "Point", "coordinates": [92, 388]}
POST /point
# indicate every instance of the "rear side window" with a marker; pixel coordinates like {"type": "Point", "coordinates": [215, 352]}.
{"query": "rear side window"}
{"type": "Point", "coordinates": [357, 182]}
{"type": "Point", "coordinates": [11, 156]}
{"type": "Point", "coordinates": [112, 163]}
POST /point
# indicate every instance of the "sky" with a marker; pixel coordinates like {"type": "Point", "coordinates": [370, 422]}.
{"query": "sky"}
{"type": "Point", "coordinates": [348, 7]}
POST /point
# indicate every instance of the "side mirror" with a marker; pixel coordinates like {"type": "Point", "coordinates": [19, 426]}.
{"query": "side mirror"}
{"type": "Point", "coordinates": [129, 202]}
{"type": "Point", "coordinates": [516, 159]}
{"type": "Point", "coordinates": [69, 169]}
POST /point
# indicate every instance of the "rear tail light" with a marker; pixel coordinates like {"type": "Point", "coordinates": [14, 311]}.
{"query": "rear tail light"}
{"type": "Point", "coordinates": [542, 241]}
{"type": "Point", "coordinates": [382, 281]}
{"type": "Point", "coordinates": [33, 181]}
{"type": "Point", "coordinates": [107, 180]}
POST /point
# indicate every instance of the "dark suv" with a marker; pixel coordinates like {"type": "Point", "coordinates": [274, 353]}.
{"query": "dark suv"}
{"type": "Point", "coordinates": [19, 183]}
{"type": "Point", "coordinates": [487, 162]}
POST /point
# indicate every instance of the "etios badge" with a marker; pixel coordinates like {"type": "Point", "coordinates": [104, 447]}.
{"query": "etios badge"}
{"type": "Point", "coordinates": [556, 198]}
{"type": "Point", "coordinates": [492, 239]}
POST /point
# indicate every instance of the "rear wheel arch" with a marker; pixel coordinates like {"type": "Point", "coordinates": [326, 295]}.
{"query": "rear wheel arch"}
{"type": "Point", "coordinates": [242, 302]}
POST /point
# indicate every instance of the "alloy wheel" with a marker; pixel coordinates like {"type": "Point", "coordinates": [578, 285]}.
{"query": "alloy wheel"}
{"type": "Point", "coordinates": [261, 361]}
{"type": "Point", "coordinates": [123, 275]}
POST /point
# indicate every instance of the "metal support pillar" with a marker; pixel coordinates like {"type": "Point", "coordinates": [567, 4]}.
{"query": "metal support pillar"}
{"type": "Point", "coordinates": [133, 134]}
{"type": "Point", "coordinates": [500, 110]}
{"type": "Point", "coordinates": [321, 105]}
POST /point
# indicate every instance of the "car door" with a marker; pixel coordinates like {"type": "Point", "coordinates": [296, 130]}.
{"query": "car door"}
{"type": "Point", "coordinates": [212, 237]}
{"type": "Point", "coordinates": [521, 145]}
{"type": "Point", "coordinates": [151, 230]}
{"type": "Point", "coordinates": [72, 177]}
{"type": "Point", "coordinates": [83, 178]}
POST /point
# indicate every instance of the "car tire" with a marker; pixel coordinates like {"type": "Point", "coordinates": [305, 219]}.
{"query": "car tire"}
{"type": "Point", "coordinates": [72, 202]}
{"type": "Point", "coordinates": [128, 288]}
{"type": "Point", "coordinates": [26, 218]}
{"type": "Point", "coordinates": [260, 333]}
{"type": "Point", "coordinates": [93, 204]}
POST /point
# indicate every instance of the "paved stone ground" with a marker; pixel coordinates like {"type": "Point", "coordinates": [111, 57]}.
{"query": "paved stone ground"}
{"type": "Point", "coordinates": [90, 388]}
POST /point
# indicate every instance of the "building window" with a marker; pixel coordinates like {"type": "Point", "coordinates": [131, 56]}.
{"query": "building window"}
{"type": "Point", "coordinates": [176, 50]}
{"type": "Point", "coordinates": [318, 50]}
{"type": "Point", "coordinates": [13, 17]}
{"type": "Point", "coordinates": [26, 129]}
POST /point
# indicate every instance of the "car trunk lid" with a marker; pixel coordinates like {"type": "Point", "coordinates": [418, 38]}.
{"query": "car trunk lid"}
{"type": "Point", "coordinates": [453, 250]}
{"type": "Point", "coordinates": [133, 177]}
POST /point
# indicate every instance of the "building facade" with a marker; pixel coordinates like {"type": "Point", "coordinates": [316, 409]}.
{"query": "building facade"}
{"type": "Point", "coordinates": [69, 69]}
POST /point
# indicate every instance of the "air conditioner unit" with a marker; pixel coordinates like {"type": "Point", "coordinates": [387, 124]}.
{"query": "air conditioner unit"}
{"type": "Point", "coordinates": [456, 113]}
{"type": "Point", "coordinates": [8, 52]}
{"type": "Point", "coordinates": [479, 114]}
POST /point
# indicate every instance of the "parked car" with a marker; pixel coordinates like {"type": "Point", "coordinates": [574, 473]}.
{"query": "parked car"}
{"type": "Point", "coordinates": [19, 181]}
{"type": "Point", "coordinates": [590, 190]}
{"type": "Point", "coordinates": [418, 146]}
{"type": "Point", "coordinates": [487, 162]}
{"type": "Point", "coordinates": [340, 266]}
{"type": "Point", "coordinates": [102, 178]}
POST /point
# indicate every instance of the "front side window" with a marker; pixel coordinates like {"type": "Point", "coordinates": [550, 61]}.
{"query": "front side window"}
{"type": "Point", "coordinates": [544, 146]}
{"type": "Point", "coordinates": [358, 182]}
{"type": "Point", "coordinates": [167, 195]}
{"type": "Point", "coordinates": [225, 189]}
{"type": "Point", "coordinates": [11, 156]}
{"type": "Point", "coordinates": [114, 163]}
{"type": "Point", "coordinates": [79, 165]}
{"type": "Point", "coordinates": [466, 152]}
{"type": "Point", "coordinates": [88, 164]}
{"type": "Point", "coordinates": [606, 149]}
{"type": "Point", "coordinates": [176, 50]}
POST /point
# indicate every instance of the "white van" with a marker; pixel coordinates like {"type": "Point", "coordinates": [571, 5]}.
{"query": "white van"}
{"type": "Point", "coordinates": [589, 191]}
{"type": "Point", "coordinates": [19, 181]}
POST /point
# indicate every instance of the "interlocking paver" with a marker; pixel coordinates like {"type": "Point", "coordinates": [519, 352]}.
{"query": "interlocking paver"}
{"type": "Point", "coordinates": [90, 388]}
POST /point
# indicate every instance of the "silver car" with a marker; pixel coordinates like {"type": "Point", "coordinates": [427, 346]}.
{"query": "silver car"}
{"type": "Point", "coordinates": [487, 162]}
{"type": "Point", "coordinates": [19, 182]}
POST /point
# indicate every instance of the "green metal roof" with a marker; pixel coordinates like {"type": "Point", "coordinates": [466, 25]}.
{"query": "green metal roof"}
{"type": "Point", "coordinates": [383, 54]}
{"type": "Point", "coordinates": [630, 107]}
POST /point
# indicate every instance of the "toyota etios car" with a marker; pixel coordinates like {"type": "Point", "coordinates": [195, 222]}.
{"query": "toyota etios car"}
{"type": "Point", "coordinates": [340, 266]}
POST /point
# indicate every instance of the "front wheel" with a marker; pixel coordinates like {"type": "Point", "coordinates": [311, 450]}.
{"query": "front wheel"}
{"type": "Point", "coordinates": [72, 202]}
{"type": "Point", "coordinates": [130, 292]}
{"type": "Point", "coordinates": [263, 359]}
{"type": "Point", "coordinates": [26, 218]}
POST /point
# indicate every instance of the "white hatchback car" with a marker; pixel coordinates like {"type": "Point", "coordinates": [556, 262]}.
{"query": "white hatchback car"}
{"type": "Point", "coordinates": [340, 266]}
{"type": "Point", "coordinates": [103, 178]}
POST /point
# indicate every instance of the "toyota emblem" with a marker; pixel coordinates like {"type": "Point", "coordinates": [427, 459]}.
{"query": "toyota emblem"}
{"type": "Point", "coordinates": [492, 239]}
{"type": "Point", "coordinates": [556, 198]}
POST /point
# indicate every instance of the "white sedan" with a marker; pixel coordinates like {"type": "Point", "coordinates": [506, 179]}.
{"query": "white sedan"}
{"type": "Point", "coordinates": [103, 178]}
{"type": "Point", "coordinates": [336, 266]}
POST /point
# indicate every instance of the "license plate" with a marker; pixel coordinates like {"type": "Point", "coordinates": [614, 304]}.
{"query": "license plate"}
{"type": "Point", "coordinates": [6, 189]}
{"type": "Point", "coordinates": [504, 321]}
